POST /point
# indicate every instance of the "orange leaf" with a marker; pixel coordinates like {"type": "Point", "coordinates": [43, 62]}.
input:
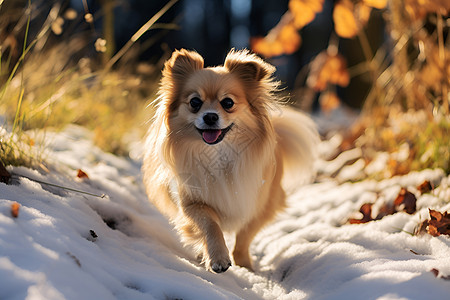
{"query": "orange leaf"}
{"type": "Point", "coordinates": [380, 4]}
{"type": "Point", "coordinates": [283, 39]}
{"type": "Point", "coordinates": [325, 69]}
{"type": "Point", "coordinates": [344, 21]}
{"type": "Point", "coordinates": [362, 14]}
{"type": "Point", "coordinates": [81, 174]}
{"type": "Point", "coordinates": [329, 101]}
{"type": "Point", "coordinates": [266, 47]}
{"type": "Point", "coordinates": [289, 39]}
{"type": "Point", "coordinates": [304, 11]}
{"type": "Point", "coordinates": [15, 209]}
{"type": "Point", "coordinates": [349, 18]}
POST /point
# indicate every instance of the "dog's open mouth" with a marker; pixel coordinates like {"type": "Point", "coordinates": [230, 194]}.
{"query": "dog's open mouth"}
{"type": "Point", "coordinates": [214, 136]}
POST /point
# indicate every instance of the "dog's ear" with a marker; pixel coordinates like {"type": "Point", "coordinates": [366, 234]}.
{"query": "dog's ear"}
{"type": "Point", "coordinates": [248, 66]}
{"type": "Point", "coordinates": [182, 62]}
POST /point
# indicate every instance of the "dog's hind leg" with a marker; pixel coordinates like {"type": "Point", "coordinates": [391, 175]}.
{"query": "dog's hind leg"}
{"type": "Point", "coordinates": [244, 237]}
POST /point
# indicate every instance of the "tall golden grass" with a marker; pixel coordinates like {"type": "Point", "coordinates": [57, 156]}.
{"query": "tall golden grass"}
{"type": "Point", "coordinates": [51, 79]}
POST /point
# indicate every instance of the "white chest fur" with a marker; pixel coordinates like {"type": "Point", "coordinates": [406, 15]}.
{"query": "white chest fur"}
{"type": "Point", "coordinates": [228, 181]}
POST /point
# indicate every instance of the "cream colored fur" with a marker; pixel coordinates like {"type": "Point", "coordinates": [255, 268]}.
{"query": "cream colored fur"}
{"type": "Point", "coordinates": [236, 184]}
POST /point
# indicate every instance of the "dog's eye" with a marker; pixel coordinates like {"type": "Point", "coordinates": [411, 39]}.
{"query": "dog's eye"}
{"type": "Point", "coordinates": [227, 103]}
{"type": "Point", "coordinates": [196, 103]}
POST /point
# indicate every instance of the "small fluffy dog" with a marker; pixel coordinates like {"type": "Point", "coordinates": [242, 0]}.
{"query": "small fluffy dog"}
{"type": "Point", "coordinates": [221, 152]}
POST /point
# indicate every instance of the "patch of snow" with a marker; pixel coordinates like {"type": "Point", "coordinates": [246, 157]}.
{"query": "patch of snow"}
{"type": "Point", "coordinates": [309, 252]}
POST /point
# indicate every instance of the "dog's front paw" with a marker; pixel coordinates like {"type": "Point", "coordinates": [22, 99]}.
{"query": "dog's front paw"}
{"type": "Point", "coordinates": [220, 266]}
{"type": "Point", "coordinates": [217, 263]}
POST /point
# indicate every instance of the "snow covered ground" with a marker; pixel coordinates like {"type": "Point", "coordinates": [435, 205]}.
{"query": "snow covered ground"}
{"type": "Point", "coordinates": [69, 245]}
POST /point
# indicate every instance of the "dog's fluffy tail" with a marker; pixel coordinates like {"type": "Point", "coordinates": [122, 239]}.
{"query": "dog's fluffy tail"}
{"type": "Point", "coordinates": [297, 140]}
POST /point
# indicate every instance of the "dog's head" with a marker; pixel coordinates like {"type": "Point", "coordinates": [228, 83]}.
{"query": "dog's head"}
{"type": "Point", "coordinates": [216, 103]}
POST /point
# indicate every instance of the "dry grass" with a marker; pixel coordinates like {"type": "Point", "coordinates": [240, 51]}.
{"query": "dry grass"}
{"type": "Point", "coordinates": [408, 104]}
{"type": "Point", "coordinates": [52, 84]}
{"type": "Point", "coordinates": [111, 104]}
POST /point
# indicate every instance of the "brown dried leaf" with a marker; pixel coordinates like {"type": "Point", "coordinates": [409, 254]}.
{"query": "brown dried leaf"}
{"type": "Point", "coordinates": [405, 200]}
{"type": "Point", "coordinates": [366, 210]}
{"type": "Point", "coordinates": [436, 273]}
{"type": "Point", "coordinates": [385, 210]}
{"type": "Point", "coordinates": [439, 223]}
{"type": "Point", "coordinates": [425, 187]}
{"type": "Point", "coordinates": [81, 174]}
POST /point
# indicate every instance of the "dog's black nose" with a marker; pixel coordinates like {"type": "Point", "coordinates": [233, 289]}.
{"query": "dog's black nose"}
{"type": "Point", "coordinates": [210, 118]}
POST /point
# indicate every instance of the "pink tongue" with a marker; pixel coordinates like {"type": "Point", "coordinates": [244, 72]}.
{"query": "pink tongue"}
{"type": "Point", "coordinates": [210, 136]}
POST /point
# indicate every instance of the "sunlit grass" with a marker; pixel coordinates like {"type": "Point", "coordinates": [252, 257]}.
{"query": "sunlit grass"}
{"type": "Point", "coordinates": [111, 104]}
{"type": "Point", "coordinates": [62, 83]}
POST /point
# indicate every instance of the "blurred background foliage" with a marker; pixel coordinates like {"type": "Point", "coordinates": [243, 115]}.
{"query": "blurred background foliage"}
{"type": "Point", "coordinates": [97, 63]}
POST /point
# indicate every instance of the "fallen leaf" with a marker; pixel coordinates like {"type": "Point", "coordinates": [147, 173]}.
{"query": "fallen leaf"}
{"type": "Point", "coordinates": [385, 210]}
{"type": "Point", "coordinates": [405, 201]}
{"type": "Point", "coordinates": [15, 209]}
{"type": "Point", "coordinates": [424, 187]}
{"type": "Point", "coordinates": [436, 273]}
{"type": "Point", "coordinates": [439, 223]}
{"type": "Point", "coordinates": [366, 210]}
{"type": "Point", "coordinates": [81, 174]}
